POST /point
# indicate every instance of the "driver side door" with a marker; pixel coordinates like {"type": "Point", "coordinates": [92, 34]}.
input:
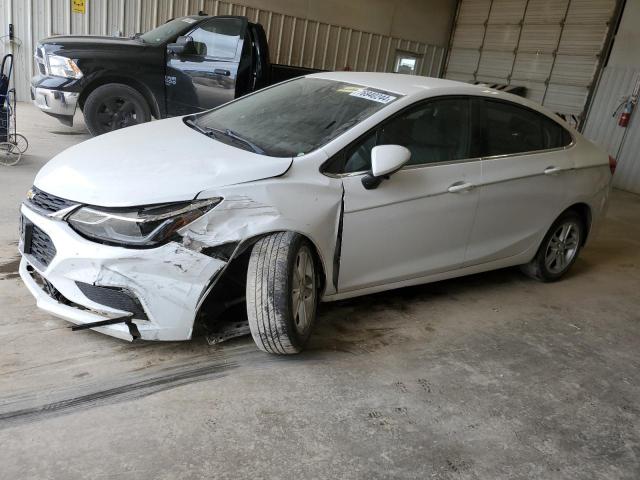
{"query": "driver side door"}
{"type": "Point", "coordinates": [205, 76]}
{"type": "Point", "coordinates": [417, 222]}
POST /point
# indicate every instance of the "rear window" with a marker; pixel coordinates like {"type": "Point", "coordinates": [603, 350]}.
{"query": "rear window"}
{"type": "Point", "coordinates": [512, 129]}
{"type": "Point", "coordinates": [295, 117]}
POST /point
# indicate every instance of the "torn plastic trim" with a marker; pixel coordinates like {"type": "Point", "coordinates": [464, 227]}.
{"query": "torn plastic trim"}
{"type": "Point", "coordinates": [101, 323]}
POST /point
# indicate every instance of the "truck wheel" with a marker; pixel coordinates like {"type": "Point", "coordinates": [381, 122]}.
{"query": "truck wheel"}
{"type": "Point", "coordinates": [281, 293]}
{"type": "Point", "coordinates": [113, 106]}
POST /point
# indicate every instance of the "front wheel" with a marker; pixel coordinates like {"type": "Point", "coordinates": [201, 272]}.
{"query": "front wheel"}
{"type": "Point", "coordinates": [114, 106]}
{"type": "Point", "coordinates": [559, 249]}
{"type": "Point", "coordinates": [281, 293]}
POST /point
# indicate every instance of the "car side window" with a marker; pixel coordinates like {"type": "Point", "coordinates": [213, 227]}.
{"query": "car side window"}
{"type": "Point", "coordinates": [435, 131]}
{"type": "Point", "coordinates": [218, 38]}
{"type": "Point", "coordinates": [511, 129]}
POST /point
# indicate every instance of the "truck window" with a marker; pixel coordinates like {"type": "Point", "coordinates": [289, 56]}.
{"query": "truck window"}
{"type": "Point", "coordinates": [168, 31]}
{"type": "Point", "coordinates": [218, 38]}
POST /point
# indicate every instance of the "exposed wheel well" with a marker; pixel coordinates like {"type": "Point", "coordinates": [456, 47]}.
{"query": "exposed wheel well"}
{"type": "Point", "coordinates": [584, 211]}
{"type": "Point", "coordinates": [229, 286]}
{"type": "Point", "coordinates": [143, 90]}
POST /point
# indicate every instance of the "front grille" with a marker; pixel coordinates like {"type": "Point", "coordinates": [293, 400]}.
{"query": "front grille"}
{"type": "Point", "coordinates": [113, 297]}
{"type": "Point", "coordinates": [42, 249]}
{"type": "Point", "coordinates": [46, 202]}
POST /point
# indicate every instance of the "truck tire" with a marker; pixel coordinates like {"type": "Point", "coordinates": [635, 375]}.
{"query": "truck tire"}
{"type": "Point", "coordinates": [559, 249]}
{"type": "Point", "coordinates": [282, 293]}
{"type": "Point", "coordinates": [114, 106]}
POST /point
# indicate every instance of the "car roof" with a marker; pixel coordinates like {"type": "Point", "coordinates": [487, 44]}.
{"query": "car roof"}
{"type": "Point", "coordinates": [421, 87]}
{"type": "Point", "coordinates": [396, 82]}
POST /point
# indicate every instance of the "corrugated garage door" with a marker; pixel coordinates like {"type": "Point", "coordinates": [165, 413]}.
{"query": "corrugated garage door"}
{"type": "Point", "coordinates": [552, 47]}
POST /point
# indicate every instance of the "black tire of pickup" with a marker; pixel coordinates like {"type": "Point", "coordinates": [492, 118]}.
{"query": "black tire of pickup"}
{"type": "Point", "coordinates": [114, 106]}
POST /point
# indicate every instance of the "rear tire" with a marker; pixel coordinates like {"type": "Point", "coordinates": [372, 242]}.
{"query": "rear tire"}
{"type": "Point", "coordinates": [559, 249]}
{"type": "Point", "coordinates": [114, 106]}
{"type": "Point", "coordinates": [281, 293]}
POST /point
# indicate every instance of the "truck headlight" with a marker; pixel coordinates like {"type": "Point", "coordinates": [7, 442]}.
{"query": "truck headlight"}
{"type": "Point", "coordinates": [137, 227]}
{"type": "Point", "coordinates": [63, 67]}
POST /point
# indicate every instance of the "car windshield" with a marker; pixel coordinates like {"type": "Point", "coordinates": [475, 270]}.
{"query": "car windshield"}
{"type": "Point", "coordinates": [167, 31]}
{"type": "Point", "coordinates": [294, 117]}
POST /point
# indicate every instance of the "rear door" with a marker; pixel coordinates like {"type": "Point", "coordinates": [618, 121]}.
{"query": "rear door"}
{"type": "Point", "coordinates": [206, 78]}
{"type": "Point", "coordinates": [524, 180]}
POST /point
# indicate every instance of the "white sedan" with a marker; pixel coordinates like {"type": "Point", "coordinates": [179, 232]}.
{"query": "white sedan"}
{"type": "Point", "coordinates": [324, 187]}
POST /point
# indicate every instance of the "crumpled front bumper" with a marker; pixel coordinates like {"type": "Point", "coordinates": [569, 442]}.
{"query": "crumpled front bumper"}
{"type": "Point", "coordinates": [168, 282]}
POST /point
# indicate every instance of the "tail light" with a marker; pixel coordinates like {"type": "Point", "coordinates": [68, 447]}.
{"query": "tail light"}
{"type": "Point", "coordinates": [612, 164]}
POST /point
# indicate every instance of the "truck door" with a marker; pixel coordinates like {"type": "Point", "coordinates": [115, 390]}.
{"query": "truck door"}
{"type": "Point", "coordinates": [205, 77]}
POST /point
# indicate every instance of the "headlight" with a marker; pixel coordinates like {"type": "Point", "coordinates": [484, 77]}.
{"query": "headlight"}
{"type": "Point", "coordinates": [63, 67]}
{"type": "Point", "coordinates": [137, 227]}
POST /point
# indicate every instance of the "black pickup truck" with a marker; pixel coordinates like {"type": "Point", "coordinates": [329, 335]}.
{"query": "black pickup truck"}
{"type": "Point", "coordinates": [189, 64]}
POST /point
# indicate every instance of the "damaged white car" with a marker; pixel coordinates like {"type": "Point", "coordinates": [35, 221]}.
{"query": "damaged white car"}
{"type": "Point", "coordinates": [324, 187]}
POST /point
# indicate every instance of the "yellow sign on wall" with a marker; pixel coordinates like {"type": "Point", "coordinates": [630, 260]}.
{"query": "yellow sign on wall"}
{"type": "Point", "coordinates": [78, 6]}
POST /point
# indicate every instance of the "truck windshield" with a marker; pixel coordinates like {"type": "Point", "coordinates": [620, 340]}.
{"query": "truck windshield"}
{"type": "Point", "coordinates": [167, 31]}
{"type": "Point", "coordinates": [292, 118]}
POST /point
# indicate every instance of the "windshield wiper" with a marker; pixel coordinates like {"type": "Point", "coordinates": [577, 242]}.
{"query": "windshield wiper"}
{"type": "Point", "coordinates": [214, 132]}
{"type": "Point", "coordinates": [231, 134]}
{"type": "Point", "coordinates": [195, 126]}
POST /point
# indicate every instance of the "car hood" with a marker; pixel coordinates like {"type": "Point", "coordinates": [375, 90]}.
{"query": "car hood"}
{"type": "Point", "coordinates": [162, 161]}
{"type": "Point", "coordinates": [90, 41]}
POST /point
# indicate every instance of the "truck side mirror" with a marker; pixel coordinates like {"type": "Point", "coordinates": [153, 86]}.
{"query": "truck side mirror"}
{"type": "Point", "coordinates": [184, 46]}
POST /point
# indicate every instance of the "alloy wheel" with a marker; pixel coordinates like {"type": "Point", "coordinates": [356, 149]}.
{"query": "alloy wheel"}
{"type": "Point", "coordinates": [303, 291]}
{"type": "Point", "coordinates": [562, 247]}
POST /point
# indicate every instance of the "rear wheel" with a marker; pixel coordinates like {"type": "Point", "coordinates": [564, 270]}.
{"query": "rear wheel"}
{"type": "Point", "coordinates": [559, 249]}
{"type": "Point", "coordinates": [114, 106]}
{"type": "Point", "coordinates": [281, 293]}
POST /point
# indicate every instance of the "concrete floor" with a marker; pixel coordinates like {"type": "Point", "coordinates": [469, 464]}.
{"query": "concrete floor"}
{"type": "Point", "coordinates": [487, 377]}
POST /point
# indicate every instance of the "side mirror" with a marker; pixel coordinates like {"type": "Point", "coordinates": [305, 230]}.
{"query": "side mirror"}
{"type": "Point", "coordinates": [385, 161]}
{"type": "Point", "coordinates": [183, 46]}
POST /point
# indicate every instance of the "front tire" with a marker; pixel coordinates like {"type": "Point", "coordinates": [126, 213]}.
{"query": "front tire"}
{"type": "Point", "coordinates": [559, 249]}
{"type": "Point", "coordinates": [281, 293]}
{"type": "Point", "coordinates": [114, 106]}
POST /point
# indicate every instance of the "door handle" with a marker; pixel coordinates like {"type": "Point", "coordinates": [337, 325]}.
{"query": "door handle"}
{"type": "Point", "coordinates": [552, 170]}
{"type": "Point", "coordinates": [460, 187]}
{"type": "Point", "coordinates": [221, 71]}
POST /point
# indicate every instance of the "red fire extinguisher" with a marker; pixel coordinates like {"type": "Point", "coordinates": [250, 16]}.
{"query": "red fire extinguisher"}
{"type": "Point", "coordinates": [625, 115]}
{"type": "Point", "coordinates": [629, 102]}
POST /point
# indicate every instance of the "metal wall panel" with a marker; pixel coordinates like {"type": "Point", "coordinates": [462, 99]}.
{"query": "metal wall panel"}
{"type": "Point", "coordinates": [552, 47]}
{"type": "Point", "coordinates": [292, 40]}
{"type": "Point", "coordinates": [474, 11]}
{"type": "Point", "coordinates": [539, 38]}
{"type": "Point", "coordinates": [543, 12]}
{"type": "Point", "coordinates": [496, 64]}
{"type": "Point", "coordinates": [603, 129]}
{"type": "Point", "coordinates": [501, 37]}
{"type": "Point", "coordinates": [532, 67]}
{"type": "Point", "coordinates": [469, 37]}
{"type": "Point", "coordinates": [507, 11]}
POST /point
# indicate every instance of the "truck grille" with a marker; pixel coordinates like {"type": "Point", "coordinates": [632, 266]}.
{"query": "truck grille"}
{"type": "Point", "coordinates": [42, 248]}
{"type": "Point", "coordinates": [48, 203]}
{"type": "Point", "coordinates": [117, 298]}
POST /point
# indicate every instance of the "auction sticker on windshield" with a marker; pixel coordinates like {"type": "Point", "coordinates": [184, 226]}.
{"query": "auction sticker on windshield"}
{"type": "Point", "coordinates": [373, 96]}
